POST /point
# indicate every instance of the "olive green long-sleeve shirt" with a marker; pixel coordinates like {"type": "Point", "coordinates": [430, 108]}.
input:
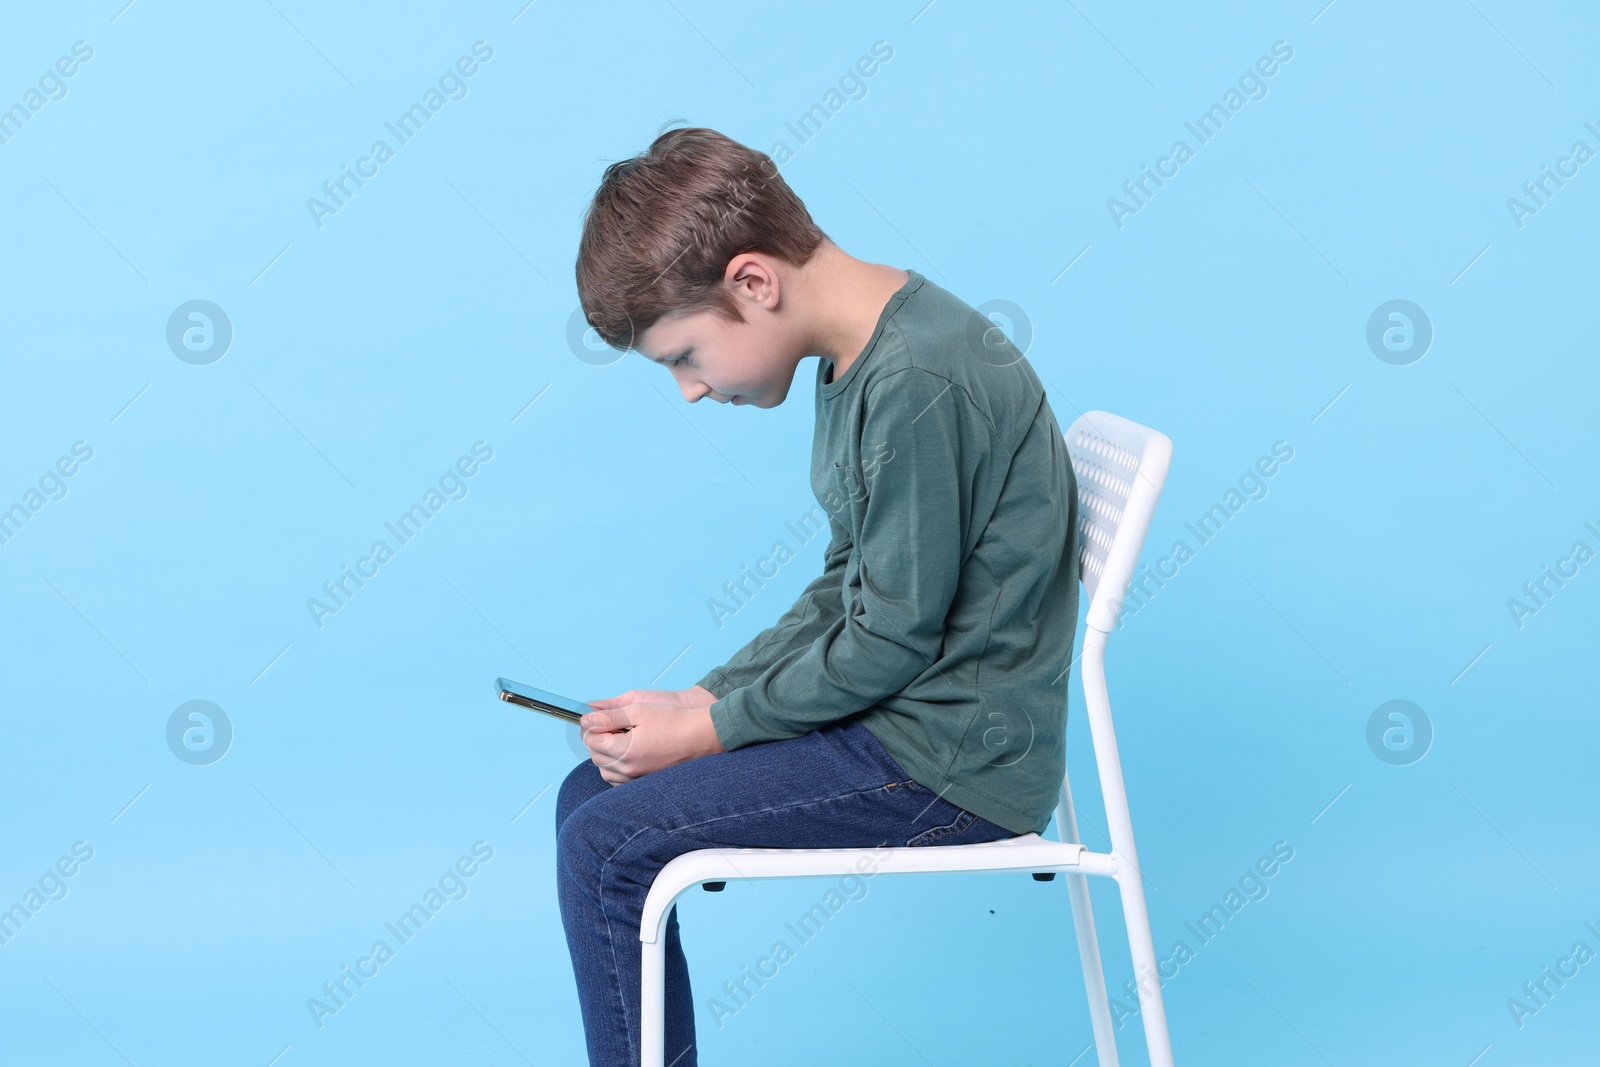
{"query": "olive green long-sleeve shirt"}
{"type": "Point", "coordinates": [945, 612]}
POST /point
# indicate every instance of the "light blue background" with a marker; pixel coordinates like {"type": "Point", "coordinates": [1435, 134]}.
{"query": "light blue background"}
{"type": "Point", "coordinates": [369, 354]}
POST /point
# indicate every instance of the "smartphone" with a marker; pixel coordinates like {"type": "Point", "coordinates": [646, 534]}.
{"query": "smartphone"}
{"type": "Point", "coordinates": [526, 696]}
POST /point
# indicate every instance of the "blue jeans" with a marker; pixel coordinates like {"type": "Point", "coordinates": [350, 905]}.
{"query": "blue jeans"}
{"type": "Point", "coordinates": [835, 787]}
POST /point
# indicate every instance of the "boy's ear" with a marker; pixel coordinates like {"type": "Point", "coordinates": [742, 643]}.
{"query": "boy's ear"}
{"type": "Point", "coordinates": [754, 278]}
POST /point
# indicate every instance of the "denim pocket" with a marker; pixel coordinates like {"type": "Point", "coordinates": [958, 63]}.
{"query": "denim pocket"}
{"type": "Point", "coordinates": [960, 818]}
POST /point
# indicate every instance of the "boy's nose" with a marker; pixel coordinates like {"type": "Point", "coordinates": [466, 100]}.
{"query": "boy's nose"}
{"type": "Point", "coordinates": [696, 390]}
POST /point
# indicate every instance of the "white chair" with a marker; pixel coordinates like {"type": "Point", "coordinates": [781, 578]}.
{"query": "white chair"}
{"type": "Point", "coordinates": [1120, 467]}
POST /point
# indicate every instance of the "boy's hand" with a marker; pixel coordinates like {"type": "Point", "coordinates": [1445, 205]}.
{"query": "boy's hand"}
{"type": "Point", "coordinates": [630, 740]}
{"type": "Point", "coordinates": [693, 697]}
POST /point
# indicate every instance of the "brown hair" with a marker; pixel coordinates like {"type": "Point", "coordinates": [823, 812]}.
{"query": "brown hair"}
{"type": "Point", "coordinates": [663, 225]}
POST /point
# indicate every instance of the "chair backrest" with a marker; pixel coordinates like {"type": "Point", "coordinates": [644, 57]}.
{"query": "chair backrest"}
{"type": "Point", "coordinates": [1120, 468]}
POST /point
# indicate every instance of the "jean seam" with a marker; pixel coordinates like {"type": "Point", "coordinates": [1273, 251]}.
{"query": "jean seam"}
{"type": "Point", "coordinates": [934, 833]}
{"type": "Point", "coordinates": [615, 978]}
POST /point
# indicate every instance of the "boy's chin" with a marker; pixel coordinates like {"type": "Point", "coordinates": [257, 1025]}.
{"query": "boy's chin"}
{"type": "Point", "coordinates": [771, 395]}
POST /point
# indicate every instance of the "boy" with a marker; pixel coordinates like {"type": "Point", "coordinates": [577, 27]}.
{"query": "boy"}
{"type": "Point", "coordinates": [914, 694]}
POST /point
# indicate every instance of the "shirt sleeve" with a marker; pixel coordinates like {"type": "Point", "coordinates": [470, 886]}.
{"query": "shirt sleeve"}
{"type": "Point", "coordinates": [918, 510]}
{"type": "Point", "coordinates": [817, 607]}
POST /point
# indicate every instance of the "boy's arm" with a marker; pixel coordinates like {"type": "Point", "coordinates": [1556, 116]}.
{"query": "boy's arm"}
{"type": "Point", "coordinates": [917, 520]}
{"type": "Point", "coordinates": [818, 606]}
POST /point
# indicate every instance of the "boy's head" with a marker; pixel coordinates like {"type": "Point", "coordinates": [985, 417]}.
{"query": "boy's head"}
{"type": "Point", "coordinates": [682, 255]}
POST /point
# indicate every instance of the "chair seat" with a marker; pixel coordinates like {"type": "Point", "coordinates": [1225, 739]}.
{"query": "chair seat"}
{"type": "Point", "coordinates": [1025, 852]}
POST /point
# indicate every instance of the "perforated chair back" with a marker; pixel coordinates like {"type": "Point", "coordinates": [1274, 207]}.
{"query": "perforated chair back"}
{"type": "Point", "coordinates": [1120, 467]}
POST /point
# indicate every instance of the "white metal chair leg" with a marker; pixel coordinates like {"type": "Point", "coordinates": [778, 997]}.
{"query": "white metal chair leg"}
{"type": "Point", "coordinates": [653, 996]}
{"type": "Point", "coordinates": [1094, 975]}
{"type": "Point", "coordinates": [1141, 946]}
{"type": "Point", "coordinates": [1119, 825]}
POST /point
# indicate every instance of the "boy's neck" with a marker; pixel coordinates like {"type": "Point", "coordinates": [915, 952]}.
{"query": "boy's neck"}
{"type": "Point", "coordinates": [848, 295]}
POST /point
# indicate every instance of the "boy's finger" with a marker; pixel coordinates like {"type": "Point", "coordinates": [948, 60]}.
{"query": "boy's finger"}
{"type": "Point", "coordinates": [606, 749]}
{"type": "Point", "coordinates": [609, 720]}
{"type": "Point", "coordinates": [611, 743]}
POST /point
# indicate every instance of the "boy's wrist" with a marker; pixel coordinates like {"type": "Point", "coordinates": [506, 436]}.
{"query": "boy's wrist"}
{"type": "Point", "coordinates": [713, 681]}
{"type": "Point", "coordinates": [726, 724]}
{"type": "Point", "coordinates": [710, 743]}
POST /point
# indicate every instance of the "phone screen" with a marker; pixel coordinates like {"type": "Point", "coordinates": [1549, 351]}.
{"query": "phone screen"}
{"type": "Point", "coordinates": [528, 696]}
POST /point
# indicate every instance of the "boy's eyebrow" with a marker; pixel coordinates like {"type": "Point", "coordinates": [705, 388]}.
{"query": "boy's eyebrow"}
{"type": "Point", "coordinates": [669, 359]}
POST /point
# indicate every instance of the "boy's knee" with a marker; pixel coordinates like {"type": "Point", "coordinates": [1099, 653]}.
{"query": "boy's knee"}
{"type": "Point", "coordinates": [611, 839]}
{"type": "Point", "coordinates": [580, 785]}
{"type": "Point", "coordinates": [582, 839]}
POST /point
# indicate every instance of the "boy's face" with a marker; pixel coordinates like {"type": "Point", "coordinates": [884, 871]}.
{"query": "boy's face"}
{"type": "Point", "coordinates": [731, 362]}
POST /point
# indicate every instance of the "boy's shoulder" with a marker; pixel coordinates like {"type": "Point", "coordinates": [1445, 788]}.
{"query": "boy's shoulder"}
{"type": "Point", "coordinates": [937, 332]}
